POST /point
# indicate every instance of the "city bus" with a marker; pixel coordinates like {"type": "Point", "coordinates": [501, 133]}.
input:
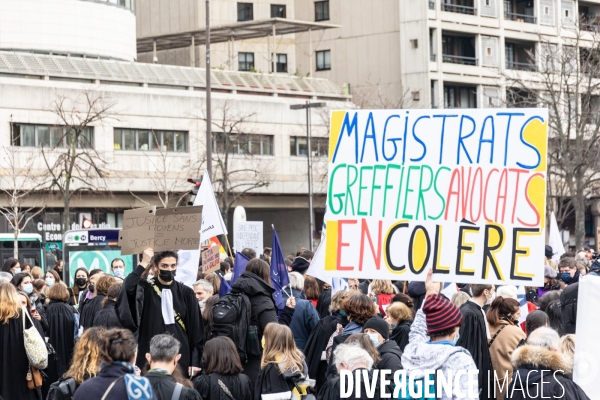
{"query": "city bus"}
{"type": "Point", "coordinates": [30, 248]}
{"type": "Point", "coordinates": [93, 249]}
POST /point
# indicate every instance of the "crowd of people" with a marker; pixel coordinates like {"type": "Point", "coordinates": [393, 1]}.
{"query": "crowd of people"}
{"type": "Point", "coordinates": [148, 336]}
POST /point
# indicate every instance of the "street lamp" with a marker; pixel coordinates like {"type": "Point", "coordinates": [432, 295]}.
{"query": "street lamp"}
{"type": "Point", "coordinates": [308, 106]}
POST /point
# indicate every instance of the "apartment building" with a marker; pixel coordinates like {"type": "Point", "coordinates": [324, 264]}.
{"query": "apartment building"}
{"type": "Point", "coordinates": [64, 49]}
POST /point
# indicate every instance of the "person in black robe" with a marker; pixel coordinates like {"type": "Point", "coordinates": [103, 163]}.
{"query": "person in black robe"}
{"type": "Point", "coordinates": [107, 317]}
{"type": "Point", "coordinates": [62, 328]}
{"type": "Point", "coordinates": [140, 308]}
{"type": "Point", "coordinates": [474, 334]}
{"type": "Point", "coordinates": [323, 303]}
{"type": "Point", "coordinates": [91, 308]}
{"type": "Point", "coordinates": [317, 343]}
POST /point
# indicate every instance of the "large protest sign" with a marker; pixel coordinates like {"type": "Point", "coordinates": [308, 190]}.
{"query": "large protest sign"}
{"type": "Point", "coordinates": [248, 234]}
{"type": "Point", "coordinates": [211, 260]}
{"type": "Point", "coordinates": [462, 191]}
{"type": "Point", "coordinates": [163, 229]}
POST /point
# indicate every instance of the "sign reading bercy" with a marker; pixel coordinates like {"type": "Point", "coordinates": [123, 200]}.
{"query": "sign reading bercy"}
{"type": "Point", "coordinates": [462, 191]}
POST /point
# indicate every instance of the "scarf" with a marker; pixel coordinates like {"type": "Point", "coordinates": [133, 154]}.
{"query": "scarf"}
{"type": "Point", "coordinates": [351, 328]}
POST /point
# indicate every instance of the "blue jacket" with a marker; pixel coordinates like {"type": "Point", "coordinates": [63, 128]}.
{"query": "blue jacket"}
{"type": "Point", "coordinates": [304, 320]}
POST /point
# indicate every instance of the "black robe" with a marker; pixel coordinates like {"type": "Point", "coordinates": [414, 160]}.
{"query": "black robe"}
{"type": "Point", "coordinates": [400, 334]}
{"type": "Point", "coordinates": [107, 317]}
{"type": "Point", "coordinates": [89, 310]}
{"type": "Point", "coordinates": [315, 346]}
{"type": "Point", "coordinates": [473, 337]}
{"type": "Point", "coordinates": [61, 335]}
{"type": "Point", "coordinates": [163, 387]}
{"type": "Point", "coordinates": [271, 381]}
{"type": "Point", "coordinates": [13, 360]}
{"type": "Point", "coordinates": [239, 386]}
{"type": "Point", "coordinates": [323, 303]}
{"type": "Point", "coordinates": [139, 310]}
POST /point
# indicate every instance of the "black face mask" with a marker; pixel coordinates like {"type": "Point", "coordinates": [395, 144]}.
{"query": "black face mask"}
{"type": "Point", "coordinates": [80, 282]}
{"type": "Point", "coordinates": [166, 276]}
{"type": "Point", "coordinates": [91, 288]}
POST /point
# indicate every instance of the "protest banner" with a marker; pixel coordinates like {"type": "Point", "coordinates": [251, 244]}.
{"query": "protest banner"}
{"type": "Point", "coordinates": [586, 372]}
{"type": "Point", "coordinates": [211, 260]}
{"type": "Point", "coordinates": [248, 234]}
{"type": "Point", "coordinates": [462, 191]}
{"type": "Point", "coordinates": [163, 229]}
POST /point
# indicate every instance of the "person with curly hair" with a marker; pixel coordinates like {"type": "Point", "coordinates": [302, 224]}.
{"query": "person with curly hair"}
{"type": "Point", "coordinates": [85, 364]}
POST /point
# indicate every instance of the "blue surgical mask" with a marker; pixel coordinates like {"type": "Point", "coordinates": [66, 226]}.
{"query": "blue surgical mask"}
{"type": "Point", "coordinates": [28, 288]}
{"type": "Point", "coordinates": [456, 338]}
{"type": "Point", "coordinates": [374, 338]}
{"type": "Point", "coordinates": [49, 281]}
{"type": "Point", "coordinates": [119, 272]}
{"type": "Point", "coordinates": [16, 271]}
{"type": "Point", "coordinates": [471, 292]}
{"type": "Point", "coordinates": [393, 326]}
{"type": "Point", "coordinates": [566, 277]}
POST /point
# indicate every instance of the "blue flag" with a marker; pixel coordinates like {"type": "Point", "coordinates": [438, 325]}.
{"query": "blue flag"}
{"type": "Point", "coordinates": [239, 266]}
{"type": "Point", "coordinates": [279, 271]}
{"type": "Point", "coordinates": [225, 288]}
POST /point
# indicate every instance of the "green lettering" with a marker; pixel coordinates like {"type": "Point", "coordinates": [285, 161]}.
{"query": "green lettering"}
{"type": "Point", "coordinates": [387, 187]}
{"type": "Point", "coordinates": [408, 190]}
{"type": "Point", "coordinates": [338, 196]}
{"type": "Point", "coordinates": [374, 185]}
{"type": "Point", "coordinates": [348, 186]}
{"type": "Point", "coordinates": [421, 199]}
{"type": "Point", "coordinates": [437, 174]}
{"type": "Point", "coordinates": [361, 187]}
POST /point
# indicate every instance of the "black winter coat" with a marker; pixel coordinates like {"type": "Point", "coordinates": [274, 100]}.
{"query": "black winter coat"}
{"type": "Point", "coordinates": [536, 375]}
{"type": "Point", "coordinates": [568, 301]}
{"type": "Point", "coordinates": [163, 387]}
{"type": "Point", "coordinates": [391, 359]}
{"type": "Point", "coordinates": [331, 390]}
{"type": "Point", "coordinates": [61, 335]}
{"type": "Point", "coordinates": [263, 311]}
{"type": "Point", "coordinates": [107, 317]}
{"type": "Point", "coordinates": [239, 386]}
{"type": "Point", "coordinates": [400, 334]}
{"type": "Point", "coordinates": [94, 388]}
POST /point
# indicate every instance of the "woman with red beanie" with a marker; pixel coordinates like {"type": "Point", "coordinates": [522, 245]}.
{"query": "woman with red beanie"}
{"type": "Point", "coordinates": [432, 344]}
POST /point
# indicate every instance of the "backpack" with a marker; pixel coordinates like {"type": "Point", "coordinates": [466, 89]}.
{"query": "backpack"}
{"type": "Point", "coordinates": [231, 318]}
{"type": "Point", "coordinates": [63, 389]}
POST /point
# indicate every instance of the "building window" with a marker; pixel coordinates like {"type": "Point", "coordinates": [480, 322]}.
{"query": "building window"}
{"type": "Point", "coordinates": [150, 140]}
{"type": "Point", "coordinates": [246, 61]}
{"type": "Point", "coordinates": [321, 10]}
{"type": "Point", "coordinates": [27, 135]}
{"type": "Point", "coordinates": [319, 146]}
{"type": "Point", "coordinates": [414, 43]}
{"type": "Point", "coordinates": [416, 96]}
{"type": "Point", "coordinates": [259, 145]}
{"type": "Point", "coordinates": [323, 60]}
{"type": "Point", "coordinates": [282, 63]}
{"type": "Point", "coordinates": [278, 11]}
{"type": "Point", "coordinates": [245, 12]}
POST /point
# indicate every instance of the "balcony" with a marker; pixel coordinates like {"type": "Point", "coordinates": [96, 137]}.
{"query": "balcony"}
{"type": "Point", "coordinates": [460, 96]}
{"type": "Point", "coordinates": [520, 11]}
{"type": "Point", "coordinates": [460, 9]}
{"type": "Point", "coordinates": [458, 48]}
{"type": "Point", "coordinates": [589, 16]}
{"type": "Point", "coordinates": [451, 59]}
{"type": "Point", "coordinates": [520, 56]}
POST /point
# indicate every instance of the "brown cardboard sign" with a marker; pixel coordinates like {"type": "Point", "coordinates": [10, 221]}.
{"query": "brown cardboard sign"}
{"type": "Point", "coordinates": [211, 260]}
{"type": "Point", "coordinates": [163, 229]}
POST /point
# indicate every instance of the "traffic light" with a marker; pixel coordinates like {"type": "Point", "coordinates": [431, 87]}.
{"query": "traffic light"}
{"type": "Point", "coordinates": [197, 182]}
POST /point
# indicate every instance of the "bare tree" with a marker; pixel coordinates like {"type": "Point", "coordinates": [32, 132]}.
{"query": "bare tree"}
{"type": "Point", "coordinates": [565, 78]}
{"type": "Point", "coordinates": [20, 188]}
{"type": "Point", "coordinates": [373, 95]}
{"type": "Point", "coordinates": [237, 170]}
{"type": "Point", "coordinates": [167, 177]}
{"type": "Point", "coordinates": [72, 163]}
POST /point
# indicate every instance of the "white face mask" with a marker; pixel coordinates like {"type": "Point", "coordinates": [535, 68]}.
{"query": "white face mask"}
{"type": "Point", "coordinates": [119, 272]}
{"type": "Point", "coordinates": [492, 297]}
{"type": "Point", "coordinates": [16, 271]}
{"type": "Point", "coordinates": [49, 281]}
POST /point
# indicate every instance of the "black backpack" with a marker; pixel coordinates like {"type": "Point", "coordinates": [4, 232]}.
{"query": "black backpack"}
{"type": "Point", "coordinates": [63, 389]}
{"type": "Point", "coordinates": [231, 318]}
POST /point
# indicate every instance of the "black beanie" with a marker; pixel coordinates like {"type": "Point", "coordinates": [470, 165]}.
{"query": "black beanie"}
{"type": "Point", "coordinates": [378, 324]}
{"type": "Point", "coordinates": [548, 252]}
{"type": "Point", "coordinates": [300, 265]}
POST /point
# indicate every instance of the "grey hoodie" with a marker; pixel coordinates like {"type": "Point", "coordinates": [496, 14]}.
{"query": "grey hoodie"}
{"type": "Point", "coordinates": [420, 354]}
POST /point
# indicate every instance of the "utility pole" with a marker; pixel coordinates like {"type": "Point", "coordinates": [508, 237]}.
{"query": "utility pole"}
{"type": "Point", "coordinates": [208, 100]}
{"type": "Point", "coordinates": [308, 106]}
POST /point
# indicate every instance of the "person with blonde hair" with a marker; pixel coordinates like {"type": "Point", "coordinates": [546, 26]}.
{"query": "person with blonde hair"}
{"type": "Point", "coordinates": [14, 365]}
{"type": "Point", "coordinates": [383, 290]}
{"type": "Point", "coordinates": [459, 298]}
{"type": "Point", "coordinates": [36, 272]}
{"type": "Point", "coordinates": [85, 364]}
{"type": "Point", "coordinates": [283, 370]}
{"type": "Point", "coordinates": [567, 347]}
{"type": "Point", "coordinates": [399, 317]}
{"type": "Point", "coordinates": [63, 328]}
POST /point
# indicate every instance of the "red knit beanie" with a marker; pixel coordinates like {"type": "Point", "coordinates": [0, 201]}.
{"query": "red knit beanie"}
{"type": "Point", "coordinates": [440, 314]}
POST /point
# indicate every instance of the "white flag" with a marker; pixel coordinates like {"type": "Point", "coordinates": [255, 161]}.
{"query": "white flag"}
{"type": "Point", "coordinates": [449, 290]}
{"type": "Point", "coordinates": [522, 297]}
{"type": "Point", "coordinates": [316, 268]}
{"type": "Point", "coordinates": [212, 221]}
{"type": "Point", "coordinates": [555, 239]}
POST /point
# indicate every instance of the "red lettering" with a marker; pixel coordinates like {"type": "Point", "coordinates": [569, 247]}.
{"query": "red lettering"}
{"type": "Point", "coordinates": [341, 244]}
{"type": "Point", "coordinates": [451, 192]}
{"type": "Point", "coordinates": [487, 182]}
{"type": "Point", "coordinates": [518, 172]}
{"type": "Point", "coordinates": [375, 250]}
{"type": "Point", "coordinates": [464, 201]}
{"type": "Point", "coordinates": [535, 210]}
{"type": "Point", "coordinates": [478, 172]}
{"type": "Point", "coordinates": [503, 184]}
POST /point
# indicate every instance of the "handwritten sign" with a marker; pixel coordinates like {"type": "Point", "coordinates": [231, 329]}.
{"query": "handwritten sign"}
{"type": "Point", "coordinates": [462, 191]}
{"type": "Point", "coordinates": [248, 234]}
{"type": "Point", "coordinates": [162, 229]}
{"type": "Point", "coordinates": [211, 260]}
